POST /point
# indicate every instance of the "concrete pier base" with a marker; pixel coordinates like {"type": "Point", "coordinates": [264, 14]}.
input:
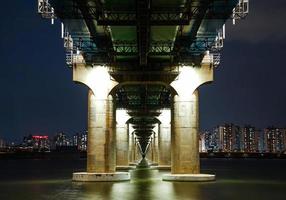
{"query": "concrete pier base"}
{"type": "Point", "coordinates": [143, 164]}
{"type": "Point", "coordinates": [162, 167]}
{"type": "Point", "coordinates": [124, 167]}
{"type": "Point", "coordinates": [154, 164]}
{"type": "Point", "coordinates": [133, 164]}
{"type": "Point", "coordinates": [189, 177]}
{"type": "Point", "coordinates": [100, 177]}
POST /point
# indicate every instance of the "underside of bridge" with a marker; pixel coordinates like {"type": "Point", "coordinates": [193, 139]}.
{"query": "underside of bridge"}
{"type": "Point", "coordinates": [146, 58]}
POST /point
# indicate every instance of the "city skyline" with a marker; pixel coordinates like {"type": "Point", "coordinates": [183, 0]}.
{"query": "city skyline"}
{"type": "Point", "coordinates": [72, 133]}
{"type": "Point", "coordinates": [39, 96]}
{"type": "Point", "coordinates": [224, 138]}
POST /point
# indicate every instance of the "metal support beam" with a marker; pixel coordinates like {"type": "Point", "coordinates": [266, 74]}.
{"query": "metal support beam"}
{"type": "Point", "coordinates": [156, 48]}
{"type": "Point", "coordinates": [102, 41]}
{"type": "Point", "coordinates": [143, 29]}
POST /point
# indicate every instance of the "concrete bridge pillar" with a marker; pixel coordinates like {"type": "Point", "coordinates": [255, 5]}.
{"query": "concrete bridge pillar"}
{"type": "Point", "coordinates": [155, 155]}
{"type": "Point", "coordinates": [131, 146]}
{"type": "Point", "coordinates": [101, 151]}
{"type": "Point", "coordinates": [101, 135]}
{"type": "Point", "coordinates": [185, 141]}
{"type": "Point", "coordinates": [185, 164]}
{"type": "Point", "coordinates": [164, 139]}
{"type": "Point", "coordinates": [122, 145]}
{"type": "Point", "coordinates": [122, 139]}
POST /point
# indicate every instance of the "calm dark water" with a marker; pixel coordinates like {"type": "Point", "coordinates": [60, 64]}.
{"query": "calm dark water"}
{"type": "Point", "coordinates": [51, 179]}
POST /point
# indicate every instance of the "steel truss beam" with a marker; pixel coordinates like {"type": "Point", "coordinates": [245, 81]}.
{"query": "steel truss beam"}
{"type": "Point", "coordinates": [143, 97]}
{"type": "Point", "coordinates": [157, 48]}
{"type": "Point", "coordinates": [103, 42]}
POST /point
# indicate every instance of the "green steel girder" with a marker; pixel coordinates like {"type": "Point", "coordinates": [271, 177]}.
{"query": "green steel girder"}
{"type": "Point", "coordinates": [129, 49]}
{"type": "Point", "coordinates": [159, 16]}
{"type": "Point", "coordinates": [121, 47]}
{"type": "Point", "coordinates": [144, 119]}
{"type": "Point", "coordinates": [144, 133]}
{"type": "Point", "coordinates": [102, 40]}
{"type": "Point", "coordinates": [143, 29]}
{"type": "Point", "coordinates": [141, 98]}
{"type": "Point", "coordinates": [154, 44]}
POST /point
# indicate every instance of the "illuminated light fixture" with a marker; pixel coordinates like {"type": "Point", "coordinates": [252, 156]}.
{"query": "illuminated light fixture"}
{"type": "Point", "coordinates": [121, 117]}
{"type": "Point", "coordinates": [208, 57]}
{"type": "Point", "coordinates": [53, 16]}
{"type": "Point", "coordinates": [77, 51]}
{"type": "Point", "coordinates": [62, 30]}
{"type": "Point", "coordinates": [165, 117]}
{"type": "Point", "coordinates": [100, 80]}
{"type": "Point", "coordinates": [187, 82]}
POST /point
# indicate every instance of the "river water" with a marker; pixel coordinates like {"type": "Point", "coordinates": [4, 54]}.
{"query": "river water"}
{"type": "Point", "coordinates": [51, 179]}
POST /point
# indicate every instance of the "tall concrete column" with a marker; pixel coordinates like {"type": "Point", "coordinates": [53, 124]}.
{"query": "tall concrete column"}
{"type": "Point", "coordinates": [152, 150]}
{"type": "Point", "coordinates": [122, 145]}
{"type": "Point", "coordinates": [185, 164]}
{"type": "Point", "coordinates": [101, 135]}
{"type": "Point", "coordinates": [164, 139]}
{"type": "Point", "coordinates": [101, 151]}
{"type": "Point", "coordinates": [122, 138]}
{"type": "Point", "coordinates": [185, 137]}
{"type": "Point", "coordinates": [155, 146]}
{"type": "Point", "coordinates": [131, 146]}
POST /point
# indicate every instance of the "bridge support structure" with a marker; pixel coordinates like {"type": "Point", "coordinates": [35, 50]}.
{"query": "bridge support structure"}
{"type": "Point", "coordinates": [154, 145]}
{"type": "Point", "coordinates": [185, 159]}
{"type": "Point", "coordinates": [164, 140]}
{"type": "Point", "coordinates": [131, 146]}
{"type": "Point", "coordinates": [122, 140]}
{"type": "Point", "coordinates": [101, 152]}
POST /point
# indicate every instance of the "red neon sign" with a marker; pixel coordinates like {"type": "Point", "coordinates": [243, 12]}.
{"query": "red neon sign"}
{"type": "Point", "coordinates": [40, 137]}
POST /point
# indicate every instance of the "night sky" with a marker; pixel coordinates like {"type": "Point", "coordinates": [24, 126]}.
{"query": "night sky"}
{"type": "Point", "coordinates": [38, 95]}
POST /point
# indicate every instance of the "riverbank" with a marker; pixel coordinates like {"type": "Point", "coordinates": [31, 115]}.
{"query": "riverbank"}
{"type": "Point", "coordinates": [75, 155]}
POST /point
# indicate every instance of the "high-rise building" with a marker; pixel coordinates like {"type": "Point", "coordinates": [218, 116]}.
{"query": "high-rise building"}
{"type": "Point", "coordinates": [62, 140]}
{"type": "Point", "coordinates": [2, 144]}
{"type": "Point", "coordinates": [36, 142]}
{"type": "Point", "coordinates": [202, 142]}
{"type": "Point", "coordinates": [284, 136]}
{"type": "Point", "coordinates": [251, 138]}
{"type": "Point", "coordinates": [80, 141]}
{"type": "Point", "coordinates": [227, 138]}
{"type": "Point", "coordinates": [274, 139]}
{"type": "Point", "coordinates": [237, 138]}
{"type": "Point", "coordinates": [41, 142]}
{"type": "Point", "coordinates": [210, 140]}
